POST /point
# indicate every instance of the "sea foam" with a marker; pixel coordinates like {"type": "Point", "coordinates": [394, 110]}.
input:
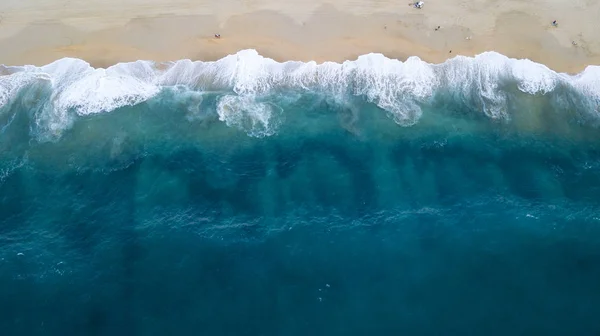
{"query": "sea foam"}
{"type": "Point", "coordinates": [244, 79]}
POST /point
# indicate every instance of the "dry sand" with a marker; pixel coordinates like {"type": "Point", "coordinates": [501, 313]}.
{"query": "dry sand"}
{"type": "Point", "coordinates": [105, 32]}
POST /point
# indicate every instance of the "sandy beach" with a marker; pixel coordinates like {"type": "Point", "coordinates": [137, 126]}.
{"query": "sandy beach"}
{"type": "Point", "coordinates": [105, 32]}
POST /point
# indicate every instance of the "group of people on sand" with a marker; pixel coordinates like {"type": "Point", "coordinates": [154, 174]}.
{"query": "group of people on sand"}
{"type": "Point", "coordinates": [418, 4]}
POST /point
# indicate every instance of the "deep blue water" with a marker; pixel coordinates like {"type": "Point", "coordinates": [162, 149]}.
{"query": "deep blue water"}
{"type": "Point", "coordinates": [161, 219]}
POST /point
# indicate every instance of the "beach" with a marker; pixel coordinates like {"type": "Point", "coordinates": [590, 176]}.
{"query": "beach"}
{"type": "Point", "coordinates": [430, 171]}
{"type": "Point", "coordinates": [109, 31]}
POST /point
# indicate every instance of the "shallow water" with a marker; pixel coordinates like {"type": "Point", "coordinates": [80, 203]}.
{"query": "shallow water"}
{"type": "Point", "coordinates": [367, 199]}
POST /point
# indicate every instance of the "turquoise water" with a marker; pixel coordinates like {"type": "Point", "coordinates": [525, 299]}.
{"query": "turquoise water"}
{"type": "Point", "coordinates": [248, 197]}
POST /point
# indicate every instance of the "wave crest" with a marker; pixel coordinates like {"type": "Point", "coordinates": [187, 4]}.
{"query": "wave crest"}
{"type": "Point", "coordinates": [245, 79]}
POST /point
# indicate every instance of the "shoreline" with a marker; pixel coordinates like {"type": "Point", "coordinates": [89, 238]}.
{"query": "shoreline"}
{"type": "Point", "coordinates": [321, 33]}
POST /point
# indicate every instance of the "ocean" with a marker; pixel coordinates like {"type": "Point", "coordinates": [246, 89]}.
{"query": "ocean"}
{"type": "Point", "coordinates": [250, 197]}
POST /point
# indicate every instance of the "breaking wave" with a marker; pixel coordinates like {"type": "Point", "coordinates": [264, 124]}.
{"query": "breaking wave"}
{"type": "Point", "coordinates": [248, 88]}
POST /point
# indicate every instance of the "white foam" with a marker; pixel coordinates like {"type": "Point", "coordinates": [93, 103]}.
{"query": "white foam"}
{"type": "Point", "coordinates": [588, 83]}
{"type": "Point", "coordinates": [400, 88]}
{"type": "Point", "coordinates": [87, 90]}
{"type": "Point", "coordinates": [258, 119]}
{"type": "Point", "coordinates": [395, 86]}
{"type": "Point", "coordinates": [102, 91]}
{"type": "Point", "coordinates": [11, 84]}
